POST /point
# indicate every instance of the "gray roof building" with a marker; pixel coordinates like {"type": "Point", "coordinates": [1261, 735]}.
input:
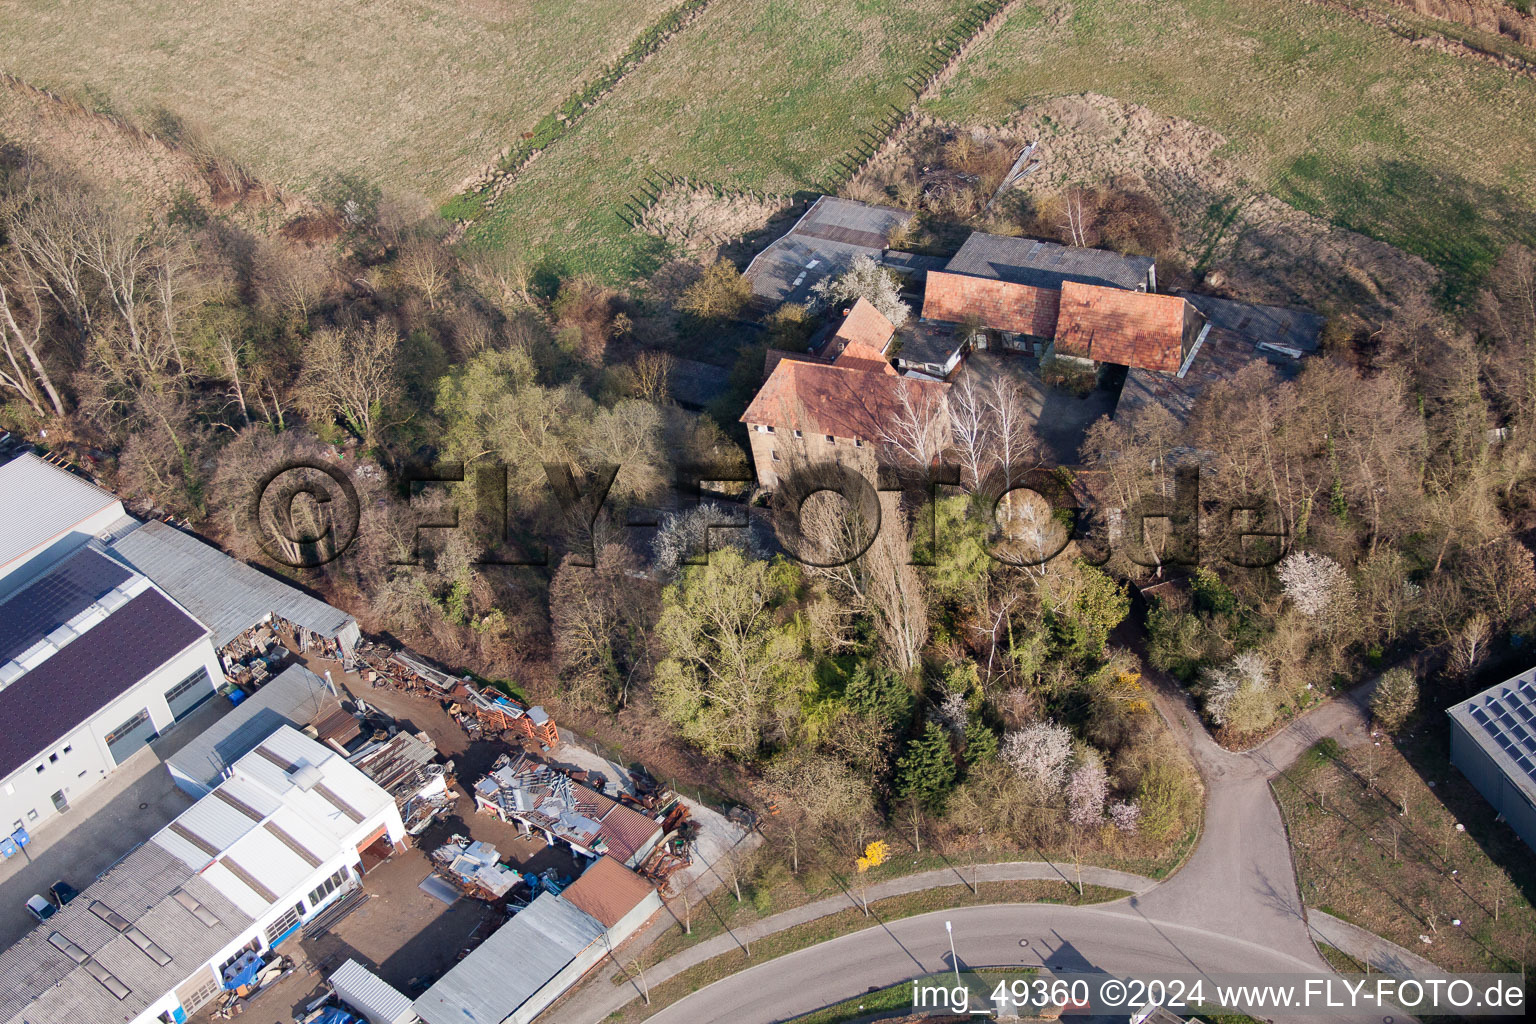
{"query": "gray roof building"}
{"type": "Point", "coordinates": [822, 243]}
{"type": "Point", "coordinates": [138, 932]}
{"type": "Point", "coordinates": [294, 697]}
{"type": "Point", "coordinates": [517, 972]}
{"type": "Point", "coordinates": [48, 508]}
{"type": "Point", "coordinates": [79, 637]}
{"type": "Point", "coordinates": [1493, 743]}
{"type": "Point", "coordinates": [225, 592]}
{"type": "Point", "coordinates": [1047, 264]}
{"type": "Point", "coordinates": [1241, 333]}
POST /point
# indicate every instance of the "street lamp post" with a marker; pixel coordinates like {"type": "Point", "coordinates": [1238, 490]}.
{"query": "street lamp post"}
{"type": "Point", "coordinates": [953, 956]}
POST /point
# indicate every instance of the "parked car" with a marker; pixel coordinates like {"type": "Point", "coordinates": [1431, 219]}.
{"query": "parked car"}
{"type": "Point", "coordinates": [62, 892]}
{"type": "Point", "coordinates": [40, 908]}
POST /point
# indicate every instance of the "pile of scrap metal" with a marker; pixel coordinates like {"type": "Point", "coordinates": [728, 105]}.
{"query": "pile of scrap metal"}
{"type": "Point", "coordinates": [247, 978]}
{"type": "Point", "coordinates": [423, 809]}
{"type": "Point", "coordinates": [475, 869]}
{"type": "Point", "coordinates": [405, 765]}
{"type": "Point", "coordinates": [481, 710]}
{"type": "Point", "coordinates": [674, 852]}
{"type": "Point", "coordinates": [536, 796]}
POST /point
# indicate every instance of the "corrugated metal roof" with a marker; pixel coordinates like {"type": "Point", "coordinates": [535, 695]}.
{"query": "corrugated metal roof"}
{"type": "Point", "coordinates": [40, 502]}
{"type": "Point", "coordinates": [224, 592]}
{"type": "Point", "coordinates": [512, 965]}
{"type": "Point", "coordinates": [293, 697]}
{"type": "Point", "coordinates": [822, 243]}
{"type": "Point", "coordinates": [370, 994]}
{"type": "Point", "coordinates": [41, 985]}
{"type": "Point", "coordinates": [1502, 721]}
{"type": "Point", "coordinates": [1047, 264]}
{"type": "Point", "coordinates": [250, 862]}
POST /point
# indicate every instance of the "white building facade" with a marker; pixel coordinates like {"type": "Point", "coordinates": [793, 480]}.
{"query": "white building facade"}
{"type": "Point", "coordinates": [95, 661]}
{"type": "Point", "coordinates": [278, 842]}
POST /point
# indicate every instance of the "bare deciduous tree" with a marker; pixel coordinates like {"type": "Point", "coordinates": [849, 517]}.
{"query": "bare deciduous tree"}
{"type": "Point", "coordinates": [22, 337]}
{"type": "Point", "coordinates": [352, 373]}
{"type": "Point", "coordinates": [916, 432]}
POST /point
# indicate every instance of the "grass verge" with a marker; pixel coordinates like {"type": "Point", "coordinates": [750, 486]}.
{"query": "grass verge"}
{"type": "Point", "coordinates": [1376, 841]}
{"type": "Point", "coordinates": [845, 922]}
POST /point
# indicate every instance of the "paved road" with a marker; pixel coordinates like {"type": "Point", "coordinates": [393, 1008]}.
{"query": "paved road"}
{"type": "Point", "coordinates": [1240, 881]}
{"type": "Point", "coordinates": [597, 999]}
{"type": "Point", "coordinates": [1117, 938]}
{"type": "Point", "coordinates": [1233, 907]}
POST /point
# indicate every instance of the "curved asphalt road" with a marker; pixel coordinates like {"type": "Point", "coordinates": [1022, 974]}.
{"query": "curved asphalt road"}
{"type": "Point", "coordinates": [1117, 938]}
{"type": "Point", "coordinates": [1232, 908]}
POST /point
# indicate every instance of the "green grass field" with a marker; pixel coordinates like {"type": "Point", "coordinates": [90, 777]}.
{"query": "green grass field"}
{"type": "Point", "coordinates": [415, 94]}
{"type": "Point", "coordinates": [1428, 151]}
{"type": "Point", "coordinates": [759, 94]}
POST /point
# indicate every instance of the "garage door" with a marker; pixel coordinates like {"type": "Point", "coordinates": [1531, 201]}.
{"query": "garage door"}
{"type": "Point", "coordinates": [198, 989]}
{"type": "Point", "coordinates": [126, 739]}
{"type": "Point", "coordinates": [189, 693]}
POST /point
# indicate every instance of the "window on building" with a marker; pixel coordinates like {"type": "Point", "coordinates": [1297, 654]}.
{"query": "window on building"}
{"type": "Point", "coordinates": [768, 427]}
{"type": "Point", "coordinates": [53, 758]}
{"type": "Point", "coordinates": [290, 918]}
{"type": "Point", "coordinates": [857, 443]}
{"type": "Point", "coordinates": [32, 814]}
{"type": "Point", "coordinates": [68, 749]}
{"type": "Point", "coordinates": [108, 980]}
{"type": "Point", "coordinates": [775, 454]}
{"type": "Point", "coordinates": [325, 888]}
{"type": "Point", "coordinates": [831, 439]}
{"type": "Point", "coordinates": [40, 769]}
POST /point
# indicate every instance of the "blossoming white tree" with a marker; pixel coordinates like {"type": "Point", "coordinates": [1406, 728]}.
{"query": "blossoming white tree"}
{"type": "Point", "coordinates": [1087, 789]}
{"type": "Point", "coordinates": [1313, 582]}
{"type": "Point", "coordinates": [1039, 752]}
{"type": "Point", "coordinates": [866, 279]}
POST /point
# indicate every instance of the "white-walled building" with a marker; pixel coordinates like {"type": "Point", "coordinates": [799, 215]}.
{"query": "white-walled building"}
{"type": "Point", "coordinates": [242, 869]}
{"type": "Point", "coordinates": [49, 512]}
{"type": "Point", "coordinates": [94, 662]}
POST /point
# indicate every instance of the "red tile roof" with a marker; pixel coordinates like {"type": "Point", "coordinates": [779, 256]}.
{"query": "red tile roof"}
{"type": "Point", "coordinates": [627, 831]}
{"type": "Point", "coordinates": [866, 324]}
{"type": "Point", "coordinates": [843, 401]}
{"type": "Point", "coordinates": [1111, 325]}
{"type": "Point", "coordinates": [859, 356]}
{"type": "Point", "coordinates": [607, 890]}
{"type": "Point", "coordinates": [1000, 305]}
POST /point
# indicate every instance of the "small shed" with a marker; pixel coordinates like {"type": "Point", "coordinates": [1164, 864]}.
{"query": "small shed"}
{"type": "Point", "coordinates": [370, 995]}
{"type": "Point", "coordinates": [617, 898]}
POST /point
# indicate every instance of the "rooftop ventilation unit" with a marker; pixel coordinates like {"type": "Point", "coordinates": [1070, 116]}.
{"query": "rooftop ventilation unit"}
{"type": "Point", "coordinates": [306, 777]}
